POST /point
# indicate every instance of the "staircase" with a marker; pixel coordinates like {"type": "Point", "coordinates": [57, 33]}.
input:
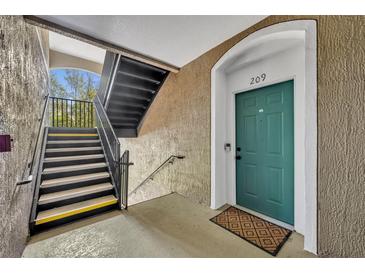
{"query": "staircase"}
{"type": "Point", "coordinates": [128, 88]}
{"type": "Point", "coordinates": [75, 180]}
{"type": "Point", "coordinates": [80, 171]}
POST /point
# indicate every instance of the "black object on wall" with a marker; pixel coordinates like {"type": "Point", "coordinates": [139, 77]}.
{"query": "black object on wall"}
{"type": "Point", "coordinates": [5, 143]}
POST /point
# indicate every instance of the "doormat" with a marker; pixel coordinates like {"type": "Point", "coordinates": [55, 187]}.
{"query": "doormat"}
{"type": "Point", "coordinates": [263, 234]}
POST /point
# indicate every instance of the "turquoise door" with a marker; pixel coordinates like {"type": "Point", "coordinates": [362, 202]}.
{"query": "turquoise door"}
{"type": "Point", "coordinates": [265, 151]}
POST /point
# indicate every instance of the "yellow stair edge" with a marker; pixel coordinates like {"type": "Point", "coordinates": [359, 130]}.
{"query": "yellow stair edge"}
{"type": "Point", "coordinates": [72, 134]}
{"type": "Point", "coordinates": [108, 200]}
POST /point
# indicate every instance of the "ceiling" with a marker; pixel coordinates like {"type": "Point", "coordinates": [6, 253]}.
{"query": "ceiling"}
{"type": "Point", "coordinates": [176, 40]}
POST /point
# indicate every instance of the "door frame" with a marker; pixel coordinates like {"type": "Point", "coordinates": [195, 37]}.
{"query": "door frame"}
{"type": "Point", "coordinates": [233, 114]}
{"type": "Point", "coordinates": [221, 119]}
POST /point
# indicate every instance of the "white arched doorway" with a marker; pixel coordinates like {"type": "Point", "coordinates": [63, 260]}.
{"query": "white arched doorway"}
{"type": "Point", "coordinates": [280, 52]}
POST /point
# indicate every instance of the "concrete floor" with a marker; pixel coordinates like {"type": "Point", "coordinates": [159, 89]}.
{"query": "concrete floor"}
{"type": "Point", "coordinates": [170, 226]}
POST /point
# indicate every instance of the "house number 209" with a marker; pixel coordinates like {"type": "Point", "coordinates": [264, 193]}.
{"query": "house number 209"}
{"type": "Point", "coordinates": [258, 79]}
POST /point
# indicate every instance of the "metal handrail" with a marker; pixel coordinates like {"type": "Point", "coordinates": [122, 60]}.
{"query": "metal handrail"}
{"type": "Point", "coordinates": [111, 145]}
{"type": "Point", "coordinates": [169, 160]}
{"type": "Point", "coordinates": [30, 165]}
{"type": "Point", "coordinates": [115, 157]}
{"type": "Point", "coordinates": [111, 81]}
{"type": "Point", "coordinates": [108, 121]}
{"type": "Point", "coordinates": [78, 100]}
{"type": "Point", "coordinates": [33, 211]}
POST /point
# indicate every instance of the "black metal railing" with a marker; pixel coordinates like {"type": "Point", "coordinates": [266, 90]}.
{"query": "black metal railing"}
{"type": "Point", "coordinates": [124, 175]}
{"type": "Point", "coordinates": [71, 113]}
{"type": "Point", "coordinates": [33, 212]}
{"type": "Point", "coordinates": [32, 166]}
{"type": "Point", "coordinates": [169, 160]}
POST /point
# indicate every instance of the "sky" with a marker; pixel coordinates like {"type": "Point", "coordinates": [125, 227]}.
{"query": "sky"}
{"type": "Point", "coordinates": [61, 73]}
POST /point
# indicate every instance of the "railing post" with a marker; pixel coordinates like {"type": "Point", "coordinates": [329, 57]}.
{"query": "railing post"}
{"type": "Point", "coordinates": [62, 112]}
{"type": "Point", "coordinates": [80, 114]}
{"type": "Point", "coordinates": [66, 112]}
{"type": "Point", "coordinates": [75, 114]}
{"type": "Point", "coordinates": [125, 189]}
{"type": "Point", "coordinates": [57, 112]}
{"type": "Point", "coordinates": [120, 171]}
{"type": "Point", "coordinates": [123, 182]}
{"type": "Point", "coordinates": [70, 113]}
{"type": "Point", "coordinates": [93, 114]}
{"type": "Point", "coordinates": [84, 114]}
{"type": "Point", "coordinates": [88, 115]}
{"type": "Point", "coordinates": [53, 112]}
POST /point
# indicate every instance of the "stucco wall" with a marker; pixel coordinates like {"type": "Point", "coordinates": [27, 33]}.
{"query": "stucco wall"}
{"type": "Point", "coordinates": [179, 122]}
{"type": "Point", "coordinates": [341, 140]}
{"type": "Point", "coordinates": [59, 60]}
{"type": "Point", "coordinates": [23, 83]}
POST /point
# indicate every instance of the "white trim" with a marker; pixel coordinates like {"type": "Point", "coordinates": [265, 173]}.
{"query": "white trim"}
{"type": "Point", "coordinates": [221, 186]}
{"type": "Point", "coordinates": [266, 218]}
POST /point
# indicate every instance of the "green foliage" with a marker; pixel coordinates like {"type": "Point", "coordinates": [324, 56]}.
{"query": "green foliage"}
{"type": "Point", "coordinates": [91, 89]}
{"type": "Point", "coordinates": [78, 86]}
{"type": "Point", "coordinates": [57, 89]}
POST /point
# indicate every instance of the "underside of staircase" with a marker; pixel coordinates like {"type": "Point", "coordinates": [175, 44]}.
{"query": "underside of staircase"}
{"type": "Point", "coordinates": [75, 181]}
{"type": "Point", "coordinates": [128, 88]}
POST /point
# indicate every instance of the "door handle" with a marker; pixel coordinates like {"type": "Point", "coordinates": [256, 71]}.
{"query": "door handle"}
{"type": "Point", "coordinates": [238, 152]}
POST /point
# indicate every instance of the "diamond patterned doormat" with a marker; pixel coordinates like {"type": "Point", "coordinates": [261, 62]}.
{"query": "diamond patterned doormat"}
{"type": "Point", "coordinates": [263, 234]}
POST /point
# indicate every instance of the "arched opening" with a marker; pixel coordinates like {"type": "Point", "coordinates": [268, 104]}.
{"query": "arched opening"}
{"type": "Point", "coordinates": [285, 51]}
{"type": "Point", "coordinates": [72, 92]}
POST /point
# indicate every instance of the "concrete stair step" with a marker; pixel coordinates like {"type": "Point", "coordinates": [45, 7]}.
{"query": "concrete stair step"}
{"type": "Point", "coordinates": [71, 130]}
{"type": "Point", "coordinates": [58, 213]}
{"type": "Point", "coordinates": [72, 134]}
{"type": "Point", "coordinates": [72, 149]}
{"type": "Point", "coordinates": [64, 136]}
{"type": "Point", "coordinates": [73, 142]}
{"type": "Point", "coordinates": [71, 168]}
{"type": "Point", "coordinates": [72, 158]}
{"type": "Point", "coordinates": [74, 179]}
{"type": "Point", "coordinates": [72, 193]}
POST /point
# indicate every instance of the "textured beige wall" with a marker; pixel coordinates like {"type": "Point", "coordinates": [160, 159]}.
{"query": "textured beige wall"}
{"type": "Point", "coordinates": [341, 140]}
{"type": "Point", "coordinates": [179, 122]}
{"type": "Point", "coordinates": [62, 60]}
{"type": "Point", "coordinates": [23, 83]}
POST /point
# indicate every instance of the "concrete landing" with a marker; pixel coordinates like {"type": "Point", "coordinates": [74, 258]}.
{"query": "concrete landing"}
{"type": "Point", "coordinates": [170, 226]}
